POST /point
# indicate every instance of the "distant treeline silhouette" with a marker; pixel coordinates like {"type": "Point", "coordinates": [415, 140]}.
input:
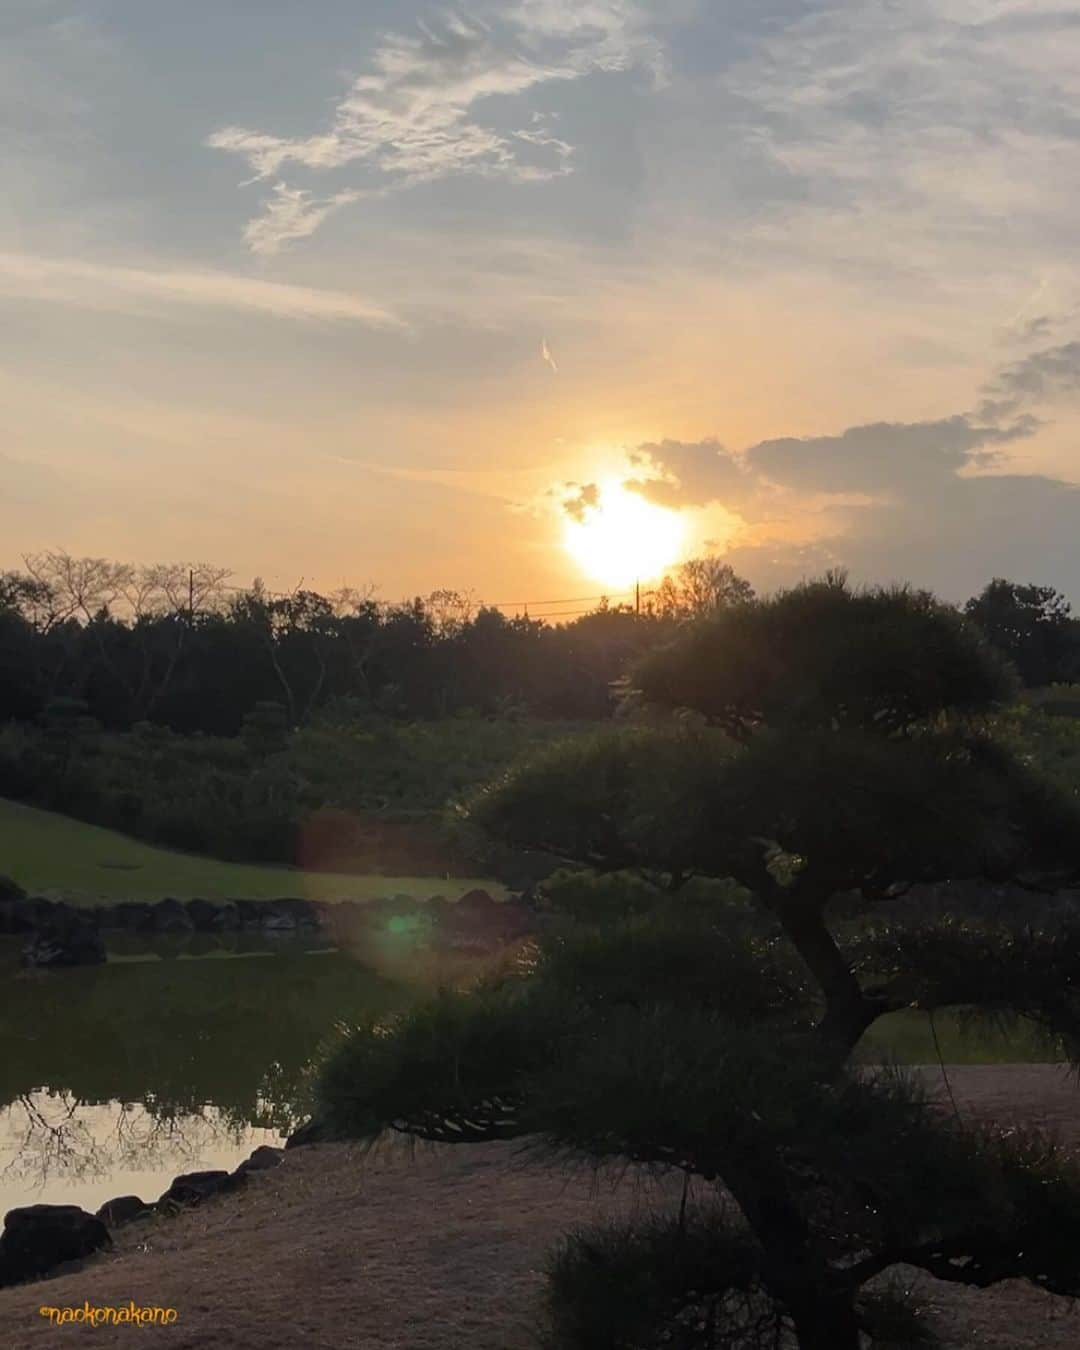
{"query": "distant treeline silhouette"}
{"type": "Point", "coordinates": [177, 645]}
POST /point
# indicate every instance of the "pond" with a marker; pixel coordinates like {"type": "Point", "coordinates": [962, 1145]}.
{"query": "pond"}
{"type": "Point", "coordinates": [188, 1053]}
{"type": "Point", "coordinates": [168, 1059]}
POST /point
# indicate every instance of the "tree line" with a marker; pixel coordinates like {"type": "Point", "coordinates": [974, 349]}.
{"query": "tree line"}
{"type": "Point", "coordinates": [176, 645]}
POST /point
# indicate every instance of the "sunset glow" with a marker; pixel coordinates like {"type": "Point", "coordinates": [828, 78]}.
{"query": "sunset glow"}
{"type": "Point", "coordinates": [623, 538]}
{"type": "Point", "coordinates": [374, 293]}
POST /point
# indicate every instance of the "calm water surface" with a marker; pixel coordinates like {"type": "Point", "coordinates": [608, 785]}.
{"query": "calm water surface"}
{"type": "Point", "coordinates": [168, 1059]}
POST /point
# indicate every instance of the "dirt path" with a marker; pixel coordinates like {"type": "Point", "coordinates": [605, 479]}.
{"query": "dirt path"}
{"type": "Point", "coordinates": [443, 1250]}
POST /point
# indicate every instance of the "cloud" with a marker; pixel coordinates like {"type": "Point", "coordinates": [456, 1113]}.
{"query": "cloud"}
{"type": "Point", "coordinates": [882, 459]}
{"type": "Point", "coordinates": [973, 528]}
{"type": "Point", "coordinates": [690, 474]}
{"type": "Point", "coordinates": [103, 286]}
{"type": "Point", "coordinates": [291, 214]}
{"type": "Point", "coordinates": [924, 501]}
{"type": "Point", "coordinates": [1040, 376]}
{"type": "Point", "coordinates": [580, 502]}
{"type": "Point", "coordinates": [1041, 326]}
{"type": "Point", "coordinates": [953, 536]}
{"type": "Point", "coordinates": [930, 140]}
{"type": "Point", "coordinates": [884, 94]}
{"type": "Point", "coordinates": [538, 135]}
{"type": "Point", "coordinates": [930, 501]}
{"type": "Point", "coordinates": [410, 118]}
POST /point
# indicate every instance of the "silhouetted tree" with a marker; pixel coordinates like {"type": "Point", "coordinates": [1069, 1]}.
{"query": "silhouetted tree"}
{"type": "Point", "coordinates": [1033, 626]}
{"type": "Point", "coordinates": [715, 1039]}
{"type": "Point", "coordinates": [698, 587]}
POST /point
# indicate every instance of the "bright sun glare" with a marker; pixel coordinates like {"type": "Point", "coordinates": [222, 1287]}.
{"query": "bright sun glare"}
{"type": "Point", "coordinates": [624, 538]}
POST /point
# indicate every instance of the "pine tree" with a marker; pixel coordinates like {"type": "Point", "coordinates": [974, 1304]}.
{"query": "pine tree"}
{"type": "Point", "coordinates": [828, 750]}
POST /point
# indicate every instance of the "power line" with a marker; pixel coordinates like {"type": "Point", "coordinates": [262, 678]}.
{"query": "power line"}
{"type": "Point", "coordinates": [481, 604]}
{"type": "Point", "coordinates": [569, 600]}
{"type": "Point", "coordinates": [560, 613]}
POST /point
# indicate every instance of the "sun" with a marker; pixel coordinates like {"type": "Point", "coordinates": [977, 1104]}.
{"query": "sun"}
{"type": "Point", "coordinates": [622, 538]}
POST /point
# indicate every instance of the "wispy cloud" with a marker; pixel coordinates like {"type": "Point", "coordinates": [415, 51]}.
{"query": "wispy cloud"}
{"type": "Point", "coordinates": [1041, 376]}
{"type": "Point", "coordinates": [290, 214]}
{"type": "Point", "coordinates": [938, 137]}
{"type": "Point", "coordinates": [104, 286]}
{"type": "Point", "coordinates": [411, 117]}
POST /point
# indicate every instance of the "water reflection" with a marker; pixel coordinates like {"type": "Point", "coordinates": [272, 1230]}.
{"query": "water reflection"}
{"type": "Point", "coordinates": [58, 1150]}
{"type": "Point", "coordinates": [181, 1055]}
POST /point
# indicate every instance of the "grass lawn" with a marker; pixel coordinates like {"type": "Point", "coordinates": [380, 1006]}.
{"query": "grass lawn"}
{"type": "Point", "coordinates": [908, 1038]}
{"type": "Point", "coordinates": [49, 854]}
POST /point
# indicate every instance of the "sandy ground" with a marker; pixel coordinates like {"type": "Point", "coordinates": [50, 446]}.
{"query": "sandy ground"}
{"type": "Point", "coordinates": [441, 1250]}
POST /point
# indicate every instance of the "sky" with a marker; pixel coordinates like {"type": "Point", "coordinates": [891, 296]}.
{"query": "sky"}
{"type": "Point", "coordinates": [525, 297]}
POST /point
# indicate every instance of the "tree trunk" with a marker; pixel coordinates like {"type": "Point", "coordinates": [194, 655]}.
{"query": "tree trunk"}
{"type": "Point", "coordinates": [795, 1274]}
{"type": "Point", "coordinates": [848, 1011]}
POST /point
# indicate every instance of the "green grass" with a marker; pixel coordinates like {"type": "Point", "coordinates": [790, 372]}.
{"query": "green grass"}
{"type": "Point", "coordinates": [49, 854]}
{"type": "Point", "coordinates": [908, 1038]}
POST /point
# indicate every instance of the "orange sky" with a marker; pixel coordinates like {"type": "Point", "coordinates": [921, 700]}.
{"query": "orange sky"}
{"type": "Point", "coordinates": [278, 296]}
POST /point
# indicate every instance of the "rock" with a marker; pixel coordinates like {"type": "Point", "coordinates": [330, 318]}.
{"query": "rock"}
{"type": "Point", "coordinates": [249, 913]}
{"type": "Point", "coordinates": [312, 1132]}
{"type": "Point", "coordinates": [276, 918]}
{"type": "Point", "coordinates": [203, 915]}
{"type": "Point", "coordinates": [10, 890]}
{"type": "Point", "coordinates": [47, 911]}
{"type": "Point", "coordinates": [477, 900]}
{"type": "Point", "coordinates": [17, 914]}
{"type": "Point", "coordinates": [194, 1187]}
{"type": "Point", "coordinates": [72, 942]}
{"type": "Point", "coordinates": [38, 1238]}
{"type": "Point", "coordinates": [226, 917]}
{"type": "Point", "coordinates": [170, 916]}
{"type": "Point", "coordinates": [347, 919]}
{"type": "Point", "coordinates": [302, 912]}
{"type": "Point", "coordinates": [134, 915]}
{"type": "Point", "coordinates": [262, 1159]}
{"type": "Point", "coordinates": [122, 1210]}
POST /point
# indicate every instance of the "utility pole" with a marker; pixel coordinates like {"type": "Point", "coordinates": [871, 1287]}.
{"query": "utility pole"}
{"type": "Point", "coordinates": [191, 597]}
{"type": "Point", "coordinates": [637, 597]}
